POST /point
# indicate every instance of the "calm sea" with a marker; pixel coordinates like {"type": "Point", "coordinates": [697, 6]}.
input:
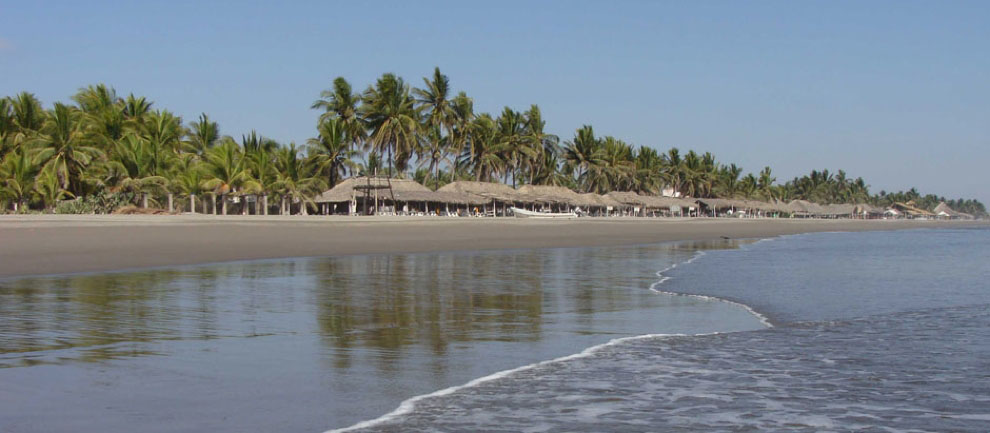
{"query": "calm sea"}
{"type": "Point", "coordinates": [877, 331]}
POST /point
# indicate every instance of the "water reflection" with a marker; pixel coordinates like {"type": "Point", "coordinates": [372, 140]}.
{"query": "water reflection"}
{"type": "Point", "coordinates": [382, 302]}
{"type": "Point", "coordinates": [309, 344]}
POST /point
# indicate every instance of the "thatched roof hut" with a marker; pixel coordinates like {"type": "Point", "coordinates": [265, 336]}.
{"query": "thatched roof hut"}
{"type": "Point", "coordinates": [944, 210]}
{"type": "Point", "coordinates": [910, 209]}
{"type": "Point", "coordinates": [488, 190]}
{"type": "Point", "coordinates": [630, 199]}
{"type": "Point", "coordinates": [597, 200]}
{"type": "Point", "coordinates": [356, 187]}
{"type": "Point", "coordinates": [552, 194]}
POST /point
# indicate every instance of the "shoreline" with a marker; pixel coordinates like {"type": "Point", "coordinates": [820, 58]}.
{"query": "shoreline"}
{"type": "Point", "coordinates": [36, 245]}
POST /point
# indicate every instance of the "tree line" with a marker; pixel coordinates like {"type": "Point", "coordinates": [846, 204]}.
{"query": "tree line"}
{"type": "Point", "coordinates": [106, 150]}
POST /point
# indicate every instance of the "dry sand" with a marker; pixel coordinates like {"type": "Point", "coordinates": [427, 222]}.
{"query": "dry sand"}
{"type": "Point", "coordinates": [55, 244]}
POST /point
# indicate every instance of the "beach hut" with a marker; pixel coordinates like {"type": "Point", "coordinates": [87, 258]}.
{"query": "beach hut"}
{"type": "Point", "coordinates": [633, 204]}
{"type": "Point", "coordinates": [497, 196]}
{"type": "Point", "coordinates": [556, 198]}
{"type": "Point", "coordinates": [943, 211]}
{"type": "Point", "coordinates": [377, 195]}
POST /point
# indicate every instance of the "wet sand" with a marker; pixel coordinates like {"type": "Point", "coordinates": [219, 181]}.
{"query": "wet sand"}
{"type": "Point", "coordinates": [57, 244]}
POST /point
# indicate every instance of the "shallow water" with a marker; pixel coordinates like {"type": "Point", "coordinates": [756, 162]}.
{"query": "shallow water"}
{"type": "Point", "coordinates": [874, 332]}
{"type": "Point", "coordinates": [312, 344]}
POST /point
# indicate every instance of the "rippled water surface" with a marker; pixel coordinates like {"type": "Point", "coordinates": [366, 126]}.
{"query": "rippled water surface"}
{"type": "Point", "coordinates": [874, 332]}
{"type": "Point", "coordinates": [311, 344]}
{"type": "Point", "coordinates": [881, 331]}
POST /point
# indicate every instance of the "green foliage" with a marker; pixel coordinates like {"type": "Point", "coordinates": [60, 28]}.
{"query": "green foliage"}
{"type": "Point", "coordinates": [98, 203]}
{"type": "Point", "coordinates": [107, 150]}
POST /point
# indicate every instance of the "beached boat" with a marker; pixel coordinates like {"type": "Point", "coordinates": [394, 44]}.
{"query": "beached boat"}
{"type": "Point", "coordinates": [523, 213]}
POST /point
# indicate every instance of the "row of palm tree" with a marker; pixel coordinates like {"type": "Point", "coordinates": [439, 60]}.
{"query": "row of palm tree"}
{"type": "Point", "coordinates": [122, 145]}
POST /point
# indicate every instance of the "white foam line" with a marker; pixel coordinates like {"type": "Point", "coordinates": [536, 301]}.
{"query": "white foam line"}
{"type": "Point", "coordinates": [407, 406]}
{"type": "Point", "coordinates": [663, 278]}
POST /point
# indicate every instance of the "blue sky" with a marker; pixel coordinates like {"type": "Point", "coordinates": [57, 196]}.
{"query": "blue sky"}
{"type": "Point", "coordinates": [897, 92]}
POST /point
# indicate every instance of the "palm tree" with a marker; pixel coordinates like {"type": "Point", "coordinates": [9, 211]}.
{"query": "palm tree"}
{"type": "Point", "coordinates": [439, 116]}
{"type": "Point", "coordinates": [484, 155]}
{"type": "Point", "coordinates": [297, 180]}
{"type": "Point", "coordinates": [135, 109]}
{"type": "Point", "coordinates": [28, 116]}
{"type": "Point", "coordinates": [227, 171]}
{"type": "Point", "coordinates": [131, 168]}
{"type": "Point", "coordinates": [49, 189]}
{"type": "Point", "coordinates": [647, 177]}
{"type": "Point", "coordinates": [389, 111]}
{"type": "Point", "coordinates": [188, 180]}
{"type": "Point", "coordinates": [674, 170]}
{"type": "Point", "coordinates": [330, 150]}
{"type": "Point", "coordinates": [203, 134]}
{"type": "Point", "coordinates": [540, 142]}
{"type": "Point", "coordinates": [63, 147]}
{"type": "Point", "coordinates": [765, 183]}
{"type": "Point", "coordinates": [17, 177]}
{"type": "Point", "coordinates": [583, 154]}
{"type": "Point", "coordinates": [340, 103]}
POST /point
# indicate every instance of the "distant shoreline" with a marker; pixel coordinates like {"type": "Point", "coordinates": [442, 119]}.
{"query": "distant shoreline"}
{"type": "Point", "coordinates": [59, 244]}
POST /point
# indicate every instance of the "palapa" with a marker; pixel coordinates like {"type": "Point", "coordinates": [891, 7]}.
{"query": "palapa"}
{"type": "Point", "coordinates": [488, 190]}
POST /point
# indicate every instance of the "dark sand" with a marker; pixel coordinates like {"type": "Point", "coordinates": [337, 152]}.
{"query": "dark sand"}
{"type": "Point", "coordinates": [55, 244]}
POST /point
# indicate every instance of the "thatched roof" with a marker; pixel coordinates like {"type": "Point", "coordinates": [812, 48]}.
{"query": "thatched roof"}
{"type": "Point", "coordinates": [629, 198]}
{"type": "Point", "coordinates": [597, 200]}
{"type": "Point", "coordinates": [401, 189]}
{"type": "Point", "coordinates": [943, 208]}
{"type": "Point", "coordinates": [552, 194]}
{"type": "Point", "coordinates": [488, 190]}
{"type": "Point", "coordinates": [911, 209]}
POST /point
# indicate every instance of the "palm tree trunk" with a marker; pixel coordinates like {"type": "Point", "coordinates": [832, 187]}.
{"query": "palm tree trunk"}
{"type": "Point", "coordinates": [223, 201]}
{"type": "Point", "coordinates": [192, 203]}
{"type": "Point", "coordinates": [170, 208]}
{"type": "Point", "coordinates": [144, 200]}
{"type": "Point", "coordinates": [302, 208]}
{"type": "Point", "coordinates": [264, 204]}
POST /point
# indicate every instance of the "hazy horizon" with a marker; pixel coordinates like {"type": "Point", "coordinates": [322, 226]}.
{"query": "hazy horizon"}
{"type": "Point", "coordinates": [894, 92]}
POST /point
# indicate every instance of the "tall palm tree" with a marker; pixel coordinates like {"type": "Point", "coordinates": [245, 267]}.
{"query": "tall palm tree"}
{"type": "Point", "coordinates": [28, 116]}
{"type": "Point", "coordinates": [765, 183]}
{"type": "Point", "coordinates": [342, 104]}
{"type": "Point", "coordinates": [439, 117]}
{"type": "Point", "coordinates": [203, 134]}
{"type": "Point", "coordinates": [484, 155]}
{"type": "Point", "coordinates": [330, 150]}
{"type": "Point", "coordinates": [136, 109]}
{"type": "Point", "coordinates": [389, 110]}
{"type": "Point", "coordinates": [541, 142]}
{"type": "Point", "coordinates": [583, 154]}
{"type": "Point", "coordinates": [63, 147]}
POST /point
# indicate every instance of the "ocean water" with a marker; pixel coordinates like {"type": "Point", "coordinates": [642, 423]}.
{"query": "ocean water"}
{"type": "Point", "coordinates": [307, 345]}
{"type": "Point", "coordinates": [875, 331]}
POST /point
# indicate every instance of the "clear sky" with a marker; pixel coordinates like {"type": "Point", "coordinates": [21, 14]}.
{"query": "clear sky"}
{"type": "Point", "coordinates": [897, 92]}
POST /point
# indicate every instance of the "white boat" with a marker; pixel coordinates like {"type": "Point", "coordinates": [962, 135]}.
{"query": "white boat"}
{"type": "Point", "coordinates": [523, 213]}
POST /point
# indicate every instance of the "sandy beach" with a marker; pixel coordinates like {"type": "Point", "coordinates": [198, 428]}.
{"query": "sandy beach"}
{"type": "Point", "coordinates": [55, 244]}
